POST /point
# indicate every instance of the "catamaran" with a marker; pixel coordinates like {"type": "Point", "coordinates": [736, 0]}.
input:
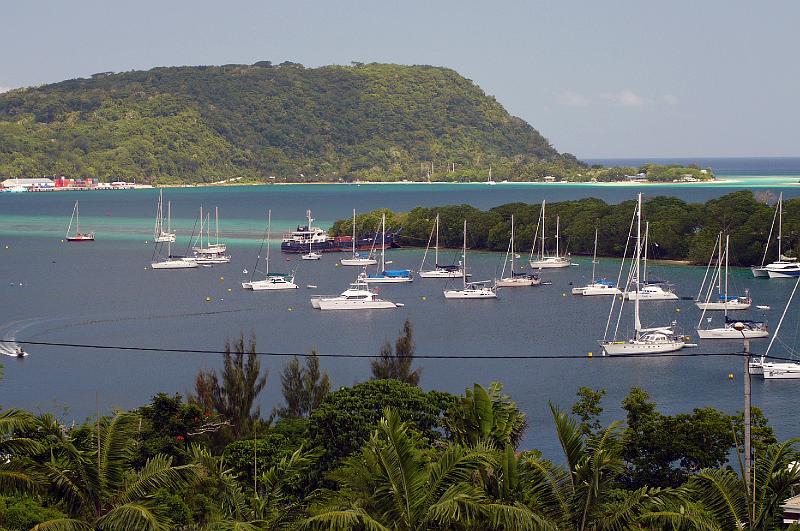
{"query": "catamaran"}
{"type": "Point", "coordinates": [171, 262]}
{"type": "Point", "coordinates": [647, 289]}
{"type": "Point", "coordinates": [722, 301]}
{"type": "Point", "coordinates": [784, 266]}
{"type": "Point", "coordinates": [78, 236]}
{"type": "Point", "coordinates": [644, 340]}
{"type": "Point", "coordinates": [596, 287]}
{"type": "Point", "coordinates": [544, 260]}
{"type": "Point", "coordinates": [272, 281]}
{"type": "Point", "coordinates": [774, 370]}
{"type": "Point", "coordinates": [516, 279]}
{"type": "Point", "coordinates": [470, 290]}
{"type": "Point", "coordinates": [210, 253]}
{"type": "Point", "coordinates": [159, 234]}
{"type": "Point", "coordinates": [357, 297]}
{"type": "Point", "coordinates": [439, 271]}
{"type": "Point", "coordinates": [387, 276]}
{"type": "Point", "coordinates": [357, 259]}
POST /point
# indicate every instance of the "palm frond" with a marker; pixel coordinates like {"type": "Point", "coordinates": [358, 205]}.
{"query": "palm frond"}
{"type": "Point", "coordinates": [723, 494]}
{"type": "Point", "coordinates": [344, 520]}
{"type": "Point", "coordinates": [157, 473]}
{"type": "Point", "coordinates": [569, 436]}
{"type": "Point", "coordinates": [63, 524]}
{"type": "Point", "coordinates": [132, 517]}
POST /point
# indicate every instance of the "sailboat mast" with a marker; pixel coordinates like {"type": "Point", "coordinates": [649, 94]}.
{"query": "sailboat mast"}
{"type": "Point", "coordinates": [169, 216]}
{"type": "Point", "coordinates": [436, 249]}
{"type": "Point", "coordinates": [464, 257]}
{"type": "Point", "coordinates": [780, 224]}
{"type": "Point", "coordinates": [216, 222]}
{"type": "Point", "coordinates": [269, 234]}
{"type": "Point", "coordinates": [637, 322]}
{"type": "Point", "coordinates": [727, 250]}
{"type": "Point", "coordinates": [77, 218]}
{"type": "Point", "coordinates": [354, 233]}
{"type": "Point", "coordinates": [383, 242]}
{"type": "Point", "coordinates": [719, 266]}
{"type": "Point", "coordinates": [310, 234]}
{"type": "Point", "coordinates": [644, 252]}
{"type": "Point", "coordinates": [594, 255]}
{"type": "Point", "coordinates": [512, 246]}
{"type": "Point", "coordinates": [542, 249]}
{"type": "Point", "coordinates": [558, 226]}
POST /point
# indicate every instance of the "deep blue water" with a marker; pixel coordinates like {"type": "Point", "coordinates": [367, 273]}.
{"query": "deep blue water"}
{"type": "Point", "coordinates": [103, 293]}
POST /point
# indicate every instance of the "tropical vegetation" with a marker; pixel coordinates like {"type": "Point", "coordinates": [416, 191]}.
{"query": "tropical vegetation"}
{"type": "Point", "coordinates": [281, 123]}
{"type": "Point", "coordinates": [679, 230]}
{"type": "Point", "coordinates": [385, 455]}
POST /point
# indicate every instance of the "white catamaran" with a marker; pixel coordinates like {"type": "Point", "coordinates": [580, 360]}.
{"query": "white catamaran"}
{"type": "Point", "coordinates": [159, 234]}
{"type": "Point", "coordinates": [272, 281]}
{"type": "Point", "coordinates": [357, 259]}
{"type": "Point", "coordinates": [644, 340]}
{"type": "Point", "coordinates": [387, 276]}
{"type": "Point", "coordinates": [439, 271]}
{"type": "Point", "coordinates": [78, 236]}
{"type": "Point", "coordinates": [784, 266]}
{"type": "Point", "coordinates": [515, 279]}
{"type": "Point", "coordinates": [596, 287]}
{"type": "Point", "coordinates": [544, 260]}
{"type": "Point", "coordinates": [719, 278]}
{"type": "Point", "coordinates": [357, 297]}
{"type": "Point", "coordinates": [470, 290]}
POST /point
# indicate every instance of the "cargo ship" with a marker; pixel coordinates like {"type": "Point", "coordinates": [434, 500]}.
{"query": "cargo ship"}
{"type": "Point", "coordinates": [314, 239]}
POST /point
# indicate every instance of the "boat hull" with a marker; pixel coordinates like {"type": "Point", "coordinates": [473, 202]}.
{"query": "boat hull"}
{"type": "Point", "coordinates": [638, 347]}
{"type": "Point", "coordinates": [388, 280]}
{"type": "Point", "coordinates": [517, 282]}
{"type": "Point", "coordinates": [441, 273]}
{"type": "Point", "coordinates": [174, 264]}
{"type": "Point", "coordinates": [731, 305]}
{"type": "Point", "coordinates": [549, 264]}
{"type": "Point", "coordinates": [781, 371]}
{"type": "Point", "coordinates": [80, 238]}
{"type": "Point", "coordinates": [731, 333]}
{"type": "Point", "coordinates": [358, 261]}
{"type": "Point", "coordinates": [642, 296]}
{"type": "Point", "coordinates": [786, 273]}
{"type": "Point", "coordinates": [469, 294]}
{"type": "Point", "coordinates": [759, 272]}
{"type": "Point", "coordinates": [339, 304]}
{"type": "Point", "coordinates": [268, 285]}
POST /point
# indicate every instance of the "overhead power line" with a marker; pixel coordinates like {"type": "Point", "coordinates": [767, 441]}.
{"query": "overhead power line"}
{"type": "Point", "coordinates": [684, 354]}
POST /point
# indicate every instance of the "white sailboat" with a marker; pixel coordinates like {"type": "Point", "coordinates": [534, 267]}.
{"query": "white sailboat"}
{"type": "Point", "coordinates": [357, 260]}
{"type": "Point", "coordinates": [544, 260]}
{"type": "Point", "coordinates": [271, 281]}
{"type": "Point", "coordinates": [783, 267]}
{"type": "Point", "coordinates": [596, 287]}
{"type": "Point", "coordinates": [159, 234]}
{"type": "Point", "coordinates": [311, 254]}
{"type": "Point", "coordinates": [516, 279]}
{"type": "Point", "coordinates": [439, 271]}
{"type": "Point", "coordinates": [750, 330]}
{"type": "Point", "coordinates": [648, 290]}
{"type": "Point", "coordinates": [357, 297]}
{"type": "Point", "coordinates": [470, 290]}
{"type": "Point", "coordinates": [210, 253]}
{"type": "Point", "coordinates": [78, 236]}
{"type": "Point", "coordinates": [171, 262]}
{"type": "Point", "coordinates": [777, 370]}
{"type": "Point", "coordinates": [387, 276]}
{"type": "Point", "coordinates": [722, 301]}
{"type": "Point", "coordinates": [644, 340]}
{"type": "Point", "coordinates": [489, 179]}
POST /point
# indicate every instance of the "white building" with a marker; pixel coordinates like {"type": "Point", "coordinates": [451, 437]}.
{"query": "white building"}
{"type": "Point", "coordinates": [41, 182]}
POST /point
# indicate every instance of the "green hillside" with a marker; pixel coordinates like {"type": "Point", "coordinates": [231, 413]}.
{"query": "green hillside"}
{"type": "Point", "coordinates": [208, 123]}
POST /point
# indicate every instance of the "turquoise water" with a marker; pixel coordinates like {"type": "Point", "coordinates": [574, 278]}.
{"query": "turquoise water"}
{"type": "Point", "coordinates": [103, 293]}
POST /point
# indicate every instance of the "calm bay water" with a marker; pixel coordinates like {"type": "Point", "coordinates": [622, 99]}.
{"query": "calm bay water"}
{"type": "Point", "coordinates": [103, 293]}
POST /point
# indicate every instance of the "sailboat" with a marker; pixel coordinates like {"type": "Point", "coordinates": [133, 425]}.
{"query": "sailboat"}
{"type": "Point", "coordinates": [159, 234]}
{"type": "Point", "coordinates": [751, 330]}
{"type": "Point", "coordinates": [274, 281]}
{"type": "Point", "coordinates": [784, 266]}
{"type": "Point", "coordinates": [387, 276]}
{"type": "Point", "coordinates": [647, 289]}
{"type": "Point", "coordinates": [311, 254]}
{"type": "Point", "coordinates": [644, 340]}
{"type": "Point", "coordinates": [783, 370]}
{"type": "Point", "coordinates": [723, 301]}
{"type": "Point", "coordinates": [357, 260]}
{"type": "Point", "coordinates": [516, 279]}
{"type": "Point", "coordinates": [439, 271]}
{"type": "Point", "coordinates": [596, 287]}
{"type": "Point", "coordinates": [357, 297]}
{"type": "Point", "coordinates": [171, 262]}
{"type": "Point", "coordinates": [489, 180]}
{"type": "Point", "coordinates": [78, 236]}
{"type": "Point", "coordinates": [470, 290]}
{"type": "Point", "coordinates": [544, 260]}
{"type": "Point", "coordinates": [210, 253]}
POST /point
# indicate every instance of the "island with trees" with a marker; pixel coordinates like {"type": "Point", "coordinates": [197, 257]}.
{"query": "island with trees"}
{"type": "Point", "coordinates": [284, 123]}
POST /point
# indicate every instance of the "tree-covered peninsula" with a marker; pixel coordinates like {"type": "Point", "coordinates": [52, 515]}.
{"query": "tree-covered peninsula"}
{"type": "Point", "coordinates": [284, 123]}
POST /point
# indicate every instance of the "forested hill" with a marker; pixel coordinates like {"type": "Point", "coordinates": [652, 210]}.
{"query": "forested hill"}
{"type": "Point", "coordinates": [207, 123]}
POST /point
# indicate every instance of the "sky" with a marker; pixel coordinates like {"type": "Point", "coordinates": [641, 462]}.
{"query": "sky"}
{"type": "Point", "coordinates": [598, 79]}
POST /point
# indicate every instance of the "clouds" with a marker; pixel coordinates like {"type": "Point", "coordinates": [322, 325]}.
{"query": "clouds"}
{"type": "Point", "coordinates": [625, 97]}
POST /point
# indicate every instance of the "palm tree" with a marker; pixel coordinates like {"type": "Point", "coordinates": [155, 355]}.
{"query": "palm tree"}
{"type": "Point", "coordinates": [727, 496]}
{"type": "Point", "coordinates": [16, 474]}
{"type": "Point", "coordinates": [395, 484]}
{"type": "Point", "coordinates": [584, 495]}
{"type": "Point", "coordinates": [88, 472]}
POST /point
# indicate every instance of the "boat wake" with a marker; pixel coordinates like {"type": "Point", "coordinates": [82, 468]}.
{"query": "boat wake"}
{"type": "Point", "coordinates": [8, 335]}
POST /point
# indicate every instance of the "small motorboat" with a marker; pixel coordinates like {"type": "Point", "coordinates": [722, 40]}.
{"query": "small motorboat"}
{"type": "Point", "coordinates": [763, 307]}
{"type": "Point", "coordinates": [20, 352]}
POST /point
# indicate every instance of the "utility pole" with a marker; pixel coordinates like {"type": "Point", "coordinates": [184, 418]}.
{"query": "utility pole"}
{"type": "Point", "coordinates": [747, 399]}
